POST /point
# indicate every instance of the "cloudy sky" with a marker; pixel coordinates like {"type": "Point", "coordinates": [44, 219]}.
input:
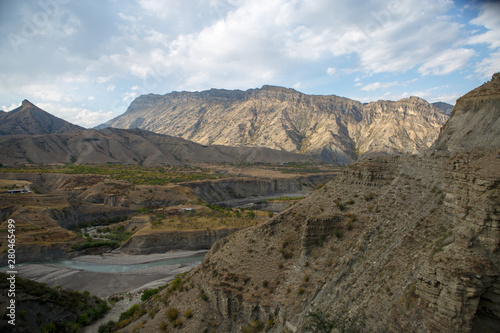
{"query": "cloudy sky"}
{"type": "Point", "coordinates": [85, 61]}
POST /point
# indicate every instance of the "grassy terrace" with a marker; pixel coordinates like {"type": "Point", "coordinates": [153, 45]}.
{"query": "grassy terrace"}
{"type": "Point", "coordinates": [162, 175]}
{"type": "Point", "coordinates": [136, 174]}
{"type": "Point", "coordinates": [211, 216]}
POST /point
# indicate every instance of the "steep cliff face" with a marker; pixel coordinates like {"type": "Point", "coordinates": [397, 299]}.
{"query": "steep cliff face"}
{"type": "Point", "coordinates": [161, 242]}
{"type": "Point", "coordinates": [337, 129]}
{"type": "Point", "coordinates": [393, 244]}
{"type": "Point", "coordinates": [475, 122]}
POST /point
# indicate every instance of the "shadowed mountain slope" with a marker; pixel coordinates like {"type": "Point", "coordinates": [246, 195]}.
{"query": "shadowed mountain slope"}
{"type": "Point", "coordinates": [113, 145]}
{"type": "Point", "coordinates": [30, 119]}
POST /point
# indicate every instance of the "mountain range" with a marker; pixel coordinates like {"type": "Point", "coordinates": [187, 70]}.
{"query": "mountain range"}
{"type": "Point", "coordinates": [335, 129]}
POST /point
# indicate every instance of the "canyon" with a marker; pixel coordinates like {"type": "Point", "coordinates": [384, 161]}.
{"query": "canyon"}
{"type": "Point", "coordinates": [399, 243]}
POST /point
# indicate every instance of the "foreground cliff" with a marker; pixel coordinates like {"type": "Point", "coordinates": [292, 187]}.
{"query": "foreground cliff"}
{"type": "Point", "coordinates": [336, 129]}
{"type": "Point", "coordinates": [394, 244]}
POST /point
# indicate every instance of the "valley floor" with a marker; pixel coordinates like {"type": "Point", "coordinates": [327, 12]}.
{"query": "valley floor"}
{"type": "Point", "coordinates": [104, 284]}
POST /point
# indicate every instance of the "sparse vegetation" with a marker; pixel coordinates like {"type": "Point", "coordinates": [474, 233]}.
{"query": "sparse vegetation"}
{"type": "Point", "coordinates": [188, 313]}
{"type": "Point", "coordinates": [286, 199]}
{"type": "Point", "coordinates": [172, 314]}
{"type": "Point", "coordinates": [135, 174]}
{"type": "Point", "coordinates": [254, 327]}
{"type": "Point", "coordinates": [320, 322]}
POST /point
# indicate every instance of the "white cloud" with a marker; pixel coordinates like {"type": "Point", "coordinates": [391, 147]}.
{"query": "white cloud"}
{"type": "Point", "coordinates": [488, 18]}
{"type": "Point", "coordinates": [158, 46]}
{"type": "Point", "coordinates": [88, 118]}
{"type": "Point", "coordinates": [250, 43]}
{"type": "Point", "coordinates": [129, 96]}
{"type": "Point", "coordinates": [77, 115]}
{"type": "Point", "coordinates": [447, 62]}
{"type": "Point", "coordinates": [488, 66]}
{"type": "Point", "coordinates": [447, 98]}
{"type": "Point", "coordinates": [385, 85]}
{"type": "Point", "coordinates": [331, 71]}
{"type": "Point", "coordinates": [11, 107]}
{"type": "Point", "coordinates": [43, 92]}
{"type": "Point", "coordinates": [398, 40]}
{"type": "Point", "coordinates": [103, 79]}
{"type": "Point", "coordinates": [378, 85]}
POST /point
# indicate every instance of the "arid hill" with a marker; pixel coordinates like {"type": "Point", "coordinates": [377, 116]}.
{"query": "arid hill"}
{"type": "Point", "coordinates": [336, 129]}
{"type": "Point", "coordinates": [112, 145]}
{"type": "Point", "coordinates": [394, 244]}
{"type": "Point", "coordinates": [30, 119]}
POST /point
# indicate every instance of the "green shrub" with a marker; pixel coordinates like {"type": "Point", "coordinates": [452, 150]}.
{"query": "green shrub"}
{"type": "Point", "coordinates": [129, 313]}
{"type": "Point", "coordinates": [107, 328]}
{"type": "Point", "coordinates": [172, 314]}
{"type": "Point", "coordinates": [188, 313]}
{"type": "Point", "coordinates": [203, 296]}
{"type": "Point", "coordinates": [320, 322]}
{"type": "Point", "coordinates": [49, 328]}
{"type": "Point", "coordinates": [148, 293]}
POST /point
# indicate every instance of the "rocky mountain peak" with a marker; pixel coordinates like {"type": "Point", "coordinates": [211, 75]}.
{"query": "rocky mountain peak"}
{"type": "Point", "coordinates": [30, 119]}
{"type": "Point", "coordinates": [415, 99]}
{"type": "Point", "coordinates": [27, 104]}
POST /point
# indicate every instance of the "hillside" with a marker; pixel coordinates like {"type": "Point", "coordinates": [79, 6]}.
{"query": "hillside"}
{"type": "Point", "coordinates": [112, 145]}
{"type": "Point", "coordinates": [336, 129]}
{"type": "Point", "coordinates": [29, 119]}
{"type": "Point", "coordinates": [394, 244]}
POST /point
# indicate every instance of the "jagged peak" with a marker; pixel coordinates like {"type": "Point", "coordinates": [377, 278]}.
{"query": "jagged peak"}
{"type": "Point", "coordinates": [26, 103]}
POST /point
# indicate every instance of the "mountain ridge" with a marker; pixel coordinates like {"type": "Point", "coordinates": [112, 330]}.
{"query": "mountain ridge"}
{"type": "Point", "coordinates": [134, 146]}
{"type": "Point", "coordinates": [335, 129]}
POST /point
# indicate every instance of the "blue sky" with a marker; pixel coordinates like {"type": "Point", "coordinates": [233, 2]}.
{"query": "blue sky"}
{"type": "Point", "coordinates": [85, 61]}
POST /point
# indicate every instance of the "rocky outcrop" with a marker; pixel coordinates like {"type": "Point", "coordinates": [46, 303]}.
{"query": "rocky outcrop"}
{"type": "Point", "coordinates": [161, 242]}
{"type": "Point", "coordinates": [226, 189]}
{"type": "Point", "coordinates": [35, 252]}
{"type": "Point", "coordinates": [335, 129]}
{"type": "Point", "coordinates": [460, 289]}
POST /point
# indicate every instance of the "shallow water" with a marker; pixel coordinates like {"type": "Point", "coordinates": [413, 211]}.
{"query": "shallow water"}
{"type": "Point", "coordinates": [105, 268]}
